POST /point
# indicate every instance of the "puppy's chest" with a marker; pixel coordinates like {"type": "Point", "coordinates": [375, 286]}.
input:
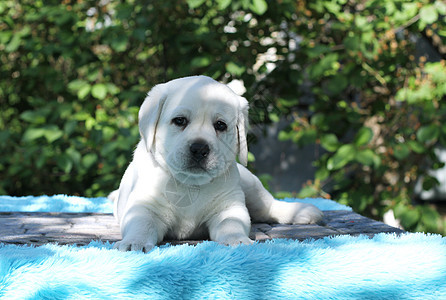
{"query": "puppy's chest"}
{"type": "Point", "coordinates": [186, 229]}
{"type": "Point", "coordinates": [190, 209]}
{"type": "Point", "coordinates": [189, 222]}
{"type": "Point", "coordinates": [182, 198]}
{"type": "Point", "coordinates": [188, 200]}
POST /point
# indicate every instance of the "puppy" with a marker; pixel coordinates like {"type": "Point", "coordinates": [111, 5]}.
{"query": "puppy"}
{"type": "Point", "coordinates": [184, 181]}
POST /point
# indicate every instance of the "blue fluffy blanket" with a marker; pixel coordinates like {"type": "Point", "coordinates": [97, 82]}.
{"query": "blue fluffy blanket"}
{"type": "Point", "coordinates": [411, 266]}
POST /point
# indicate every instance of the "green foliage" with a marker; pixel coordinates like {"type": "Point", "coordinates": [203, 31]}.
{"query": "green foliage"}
{"type": "Point", "coordinates": [376, 110]}
{"type": "Point", "coordinates": [73, 74]}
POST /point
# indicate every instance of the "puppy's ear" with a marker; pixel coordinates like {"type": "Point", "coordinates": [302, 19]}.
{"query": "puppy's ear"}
{"type": "Point", "coordinates": [149, 114]}
{"type": "Point", "coordinates": [242, 127]}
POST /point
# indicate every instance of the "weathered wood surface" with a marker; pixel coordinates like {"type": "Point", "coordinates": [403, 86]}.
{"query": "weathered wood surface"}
{"type": "Point", "coordinates": [82, 228]}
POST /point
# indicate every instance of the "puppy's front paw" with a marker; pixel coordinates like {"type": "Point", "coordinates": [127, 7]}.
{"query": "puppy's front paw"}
{"type": "Point", "coordinates": [234, 240]}
{"type": "Point", "coordinates": [307, 214]}
{"type": "Point", "coordinates": [134, 245]}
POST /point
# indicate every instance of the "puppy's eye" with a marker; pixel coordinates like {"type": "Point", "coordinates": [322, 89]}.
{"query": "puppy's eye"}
{"type": "Point", "coordinates": [220, 126]}
{"type": "Point", "coordinates": [180, 121]}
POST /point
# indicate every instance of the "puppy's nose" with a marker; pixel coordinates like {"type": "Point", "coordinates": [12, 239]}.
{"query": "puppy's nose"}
{"type": "Point", "coordinates": [199, 150]}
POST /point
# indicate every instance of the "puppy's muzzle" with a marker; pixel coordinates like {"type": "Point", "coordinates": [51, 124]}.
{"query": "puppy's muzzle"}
{"type": "Point", "coordinates": [199, 151]}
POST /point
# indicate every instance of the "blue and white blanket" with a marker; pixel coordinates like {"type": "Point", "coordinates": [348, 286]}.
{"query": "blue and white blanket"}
{"type": "Point", "coordinates": [409, 266]}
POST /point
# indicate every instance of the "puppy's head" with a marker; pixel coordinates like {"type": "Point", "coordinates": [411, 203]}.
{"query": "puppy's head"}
{"type": "Point", "coordinates": [195, 128]}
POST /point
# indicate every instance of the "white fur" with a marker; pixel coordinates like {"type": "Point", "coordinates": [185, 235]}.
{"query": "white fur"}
{"type": "Point", "coordinates": [163, 195]}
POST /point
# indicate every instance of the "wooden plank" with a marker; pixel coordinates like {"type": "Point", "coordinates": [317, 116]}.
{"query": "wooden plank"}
{"type": "Point", "coordinates": [82, 228]}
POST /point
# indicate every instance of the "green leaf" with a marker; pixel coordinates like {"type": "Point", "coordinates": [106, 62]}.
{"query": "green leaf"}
{"type": "Point", "coordinates": [429, 182]}
{"type": "Point", "coordinates": [77, 84]}
{"type": "Point", "coordinates": [74, 155]}
{"type": "Point", "coordinates": [352, 42]}
{"type": "Point", "coordinates": [428, 133]}
{"type": "Point", "coordinates": [5, 36]}
{"type": "Point", "coordinates": [195, 3]}
{"type": "Point", "coordinates": [90, 123]}
{"type": "Point", "coordinates": [52, 133]}
{"type": "Point", "coordinates": [41, 161]}
{"type": "Point", "coordinates": [119, 44]}
{"type": "Point", "coordinates": [259, 6]}
{"type": "Point", "coordinates": [344, 155]}
{"type": "Point", "coordinates": [364, 136]}
{"type": "Point", "coordinates": [330, 142]}
{"type": "Point", "coordinates": [109, 148]}
{"type": "Point", "coordinates": [409, 217]}
{"type": "Point", "coordinates": [81, 87]}
{"type": "Point", "coordinates": [318, 50]}
{"type": "Point", "coordinates": [235, 69]}
{"type": "Point", "coordinates": [401, 151]}
{"type": "Point", "coordinates": [99, 91]}
{"type": "Point", "coordinates": [83, 91]}
{"type": "Point", "coordinates": [428, 14]}
{"type": "Point", "coordinates": [274, 117]}
{"type": "Point", "coordinates": [318, 119]}
{"type": "Point", "coordinates": [410, 9]}
{"type": "Point", "coordinates": [14, 44]}
{"type": "Point", "coordinates": [200, 62]}
{"type": "Point", "coordinates": [284, 136]}
{"type": "Point", "coordinates": [307, 192]}
{"type": "Point", "coordinates": [441, 7]}
{"type": "Point", "coordinates": [305, 136]}
{"type": "Point", "coordinates": [332, 7]}
{"type": "Point", "coordinates": [64, 163]}
{"type": "Point", "coordinates": [34, 117]}
{"type": "Point", "coordinates": [430, 217]}
{"type": "Point", "coordinates": [321, 174]}
{"type": "Point", "coordinates": [377, 161]}
{"type": "Point", "coordinates": [112, 89]}
{"type": "Point", "coordinates": [93, 75]}
{"type": "Point", "coordinates": [366, 157]}
{"type": "Point", "coordinates": [89, 159]}
{"type": "Point", "coordinates": [222, 4]}
{"type": "Point", "coordinates": [33, 134]}
{"type": "Point", "coordinates": [361, 21]}
{"type": "Point", "coordinates": [336, 84]}
{"type": "Point", "coordinates": [108, 132]}
{"type": "Point", "coordinates": [326, 63]}
{"type": "Point", "coordinates": [416, 147]}
{"type": "Point", "coordinates": [288, 101]}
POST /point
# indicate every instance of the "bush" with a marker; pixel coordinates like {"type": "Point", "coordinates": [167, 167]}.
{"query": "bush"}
{"type": "Point", "coordinates": [377, 111]}
{"type": "Point", "coordinates": [73, 74]}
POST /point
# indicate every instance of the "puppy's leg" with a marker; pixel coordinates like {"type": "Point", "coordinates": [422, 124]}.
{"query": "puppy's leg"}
{"type": "Point", "coordinates": [264, 208]}
{"type": "Point", "coordinates": [231, 226]}
{"type": "Point", "coordinates": [140, 230]}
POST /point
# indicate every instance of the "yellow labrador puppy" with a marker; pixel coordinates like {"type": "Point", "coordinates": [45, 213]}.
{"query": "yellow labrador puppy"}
{"type": "Point", "coordinates": [184, 181]}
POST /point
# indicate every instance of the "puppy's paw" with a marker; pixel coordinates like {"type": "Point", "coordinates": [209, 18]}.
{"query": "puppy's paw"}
{"type": "Point", "coordinates": [134, 245]}
{"type": "Point", "coordinates": [307, 214]}
{"type": "Point", "coordinates": [234, 240]}
{"type": "Point", "coordinates": [295, 213]}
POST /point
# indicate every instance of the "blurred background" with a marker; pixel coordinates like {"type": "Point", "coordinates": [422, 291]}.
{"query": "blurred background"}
{"type": "Point", "coordinates": [347, 97]}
